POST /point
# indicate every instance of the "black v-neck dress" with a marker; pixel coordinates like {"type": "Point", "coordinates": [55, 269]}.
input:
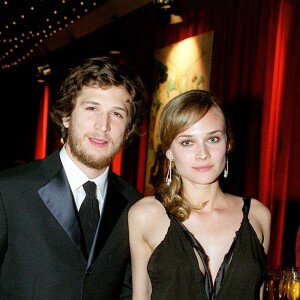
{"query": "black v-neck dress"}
{"type": "Point", "coordinates": [174, 269]}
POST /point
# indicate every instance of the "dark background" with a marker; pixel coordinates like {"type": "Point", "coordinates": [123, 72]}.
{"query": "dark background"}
{"type": "Point", "coordinates": [239, 66]}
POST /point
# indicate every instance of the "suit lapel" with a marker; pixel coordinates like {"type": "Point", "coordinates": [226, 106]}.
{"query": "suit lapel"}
{"type": "Point", "coordinates": [114, 206]}
{"type": "Point", "coordinates": [57, 196]}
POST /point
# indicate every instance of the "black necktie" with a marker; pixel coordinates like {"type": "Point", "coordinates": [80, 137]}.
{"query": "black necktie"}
{"type": "Point", "coordinates": [89, 214]}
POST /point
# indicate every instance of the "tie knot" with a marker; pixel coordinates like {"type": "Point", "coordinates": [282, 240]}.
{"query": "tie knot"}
{"type": "Point", "coordinates": [90, 189]}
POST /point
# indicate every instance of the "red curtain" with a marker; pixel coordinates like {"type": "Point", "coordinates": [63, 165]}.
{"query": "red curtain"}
{"type": "Point", "coordinates": [42, 125]}
{"type": "Point", "coordinates": [116, 165]}
{"type": "Point", "coordinates": [280, 118]}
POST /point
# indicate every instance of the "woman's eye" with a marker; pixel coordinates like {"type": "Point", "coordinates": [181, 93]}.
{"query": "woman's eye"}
{"type": "Point", "coordinates": [213, 139]}
{"type": "Point", "coordinates": [186, 143]}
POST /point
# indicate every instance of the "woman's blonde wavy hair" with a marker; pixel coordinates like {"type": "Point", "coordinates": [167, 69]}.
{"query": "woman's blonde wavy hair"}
{"type": "Point", "coordinates": [178, 115]}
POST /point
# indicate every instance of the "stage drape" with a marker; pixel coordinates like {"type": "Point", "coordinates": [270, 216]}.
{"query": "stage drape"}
{"type": "Point", "coordinates": [279, 124]}
{"type": "Point", "coordinates": [42, 125]}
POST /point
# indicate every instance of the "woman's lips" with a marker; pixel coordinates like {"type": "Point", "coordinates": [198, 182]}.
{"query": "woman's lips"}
{"type": "Point", "coordinates": [203, 168]}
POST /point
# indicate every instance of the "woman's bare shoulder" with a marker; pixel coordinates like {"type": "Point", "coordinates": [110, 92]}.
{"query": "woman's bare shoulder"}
{"type": "Point", "coordinates": [147, 202]}
{"type": "Point", "coordinates": [147, 207]}
{"type": "Point", "coordinates": [260, 218]}
{"type": "Point", "coordinates": [260, 209]}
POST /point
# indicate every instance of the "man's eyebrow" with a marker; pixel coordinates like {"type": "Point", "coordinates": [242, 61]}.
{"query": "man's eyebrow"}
{"type": "Point", "coordinates": [121, 108]}
{"type": "Point", "coordinates": [87, 101]}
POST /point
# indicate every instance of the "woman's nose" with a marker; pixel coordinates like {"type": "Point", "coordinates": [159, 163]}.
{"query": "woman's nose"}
{"type": "Point", "coordinates": [202, 152]}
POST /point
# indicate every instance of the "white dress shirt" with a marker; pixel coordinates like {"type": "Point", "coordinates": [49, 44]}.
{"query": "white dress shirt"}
{"type": "Point", "coordinates": [77, 178]}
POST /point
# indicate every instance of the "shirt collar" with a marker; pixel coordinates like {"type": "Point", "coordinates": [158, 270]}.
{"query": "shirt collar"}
{"type": "Point", "coordinates": [77, 178]}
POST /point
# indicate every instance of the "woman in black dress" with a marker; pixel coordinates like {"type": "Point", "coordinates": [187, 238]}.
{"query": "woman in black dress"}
{"type": "Point", "coordinates": [192, 240]}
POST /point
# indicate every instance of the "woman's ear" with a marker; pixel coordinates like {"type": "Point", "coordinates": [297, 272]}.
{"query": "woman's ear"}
{"type": "Point", "coordinates": [66, 121]}
{"type": "Point", "coordinates": [228, 148]}
{"type": "Point", "coordinates": [169, 155]}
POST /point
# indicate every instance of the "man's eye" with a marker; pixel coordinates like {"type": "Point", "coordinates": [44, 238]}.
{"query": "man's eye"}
{"type": "Point", "coordinates": [117, 114]}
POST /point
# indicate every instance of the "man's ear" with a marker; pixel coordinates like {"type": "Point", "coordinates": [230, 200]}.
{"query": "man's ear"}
{"type": "Point", "coordinates": [66, 121]}
{"type": "Point", "coordinates": [126, 134]}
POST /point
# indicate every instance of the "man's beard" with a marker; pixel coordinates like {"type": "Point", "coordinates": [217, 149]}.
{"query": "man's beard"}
{"type": "Point", "coordinates": [90, 160]}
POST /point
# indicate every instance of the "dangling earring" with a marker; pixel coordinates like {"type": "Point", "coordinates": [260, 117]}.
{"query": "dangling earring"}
{"type": "Point", "coordinates": [169, 173]}
{"type": "Point", "coordinates": [226, 168]}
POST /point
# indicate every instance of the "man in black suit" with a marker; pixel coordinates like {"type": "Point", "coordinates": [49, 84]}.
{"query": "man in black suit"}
{"type": "Point", "coordinates": [44, 253]}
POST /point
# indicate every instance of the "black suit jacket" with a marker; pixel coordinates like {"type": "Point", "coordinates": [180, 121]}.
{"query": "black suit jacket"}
{"type": "Point", "coordinates": [40, 239]}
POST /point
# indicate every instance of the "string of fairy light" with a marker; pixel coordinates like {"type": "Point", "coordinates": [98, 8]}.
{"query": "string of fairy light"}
{"type": "Point", "coordinates": [23, 33]}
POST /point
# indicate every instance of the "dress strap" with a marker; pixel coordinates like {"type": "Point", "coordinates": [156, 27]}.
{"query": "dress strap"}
{"type": "Point", "coordinates": [246, 207]}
